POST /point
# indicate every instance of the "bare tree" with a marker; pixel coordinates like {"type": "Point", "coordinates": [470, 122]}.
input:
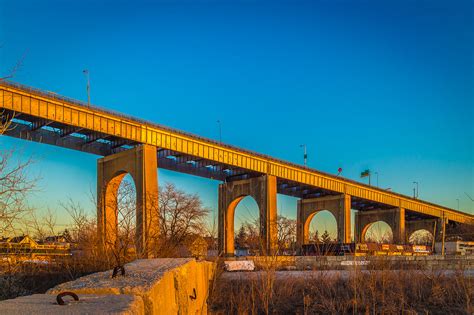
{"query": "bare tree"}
{"type": "Point", "coordinates": [83, 226]}
{"type": "Point", "coordinates": [286, 232]}
{"type": "Point", "coordinates": [15, 184]}
{"type": "Point", "coordinates": [253, 238]}
{"type": "Point", "coordinates": [41, 227]}
{"type": "Point", "coordinates": [16, 67]}
{"type": "Point", "coordinates": [5, 121]}
{"type": "Point", "coordinates": [211, 231]}
{"type": "Point", "coordinates": [376, 233]}
{"type": "Point", "coordinates": [421, 237]}
{"type": "Point", "coordinates": [181, 216]}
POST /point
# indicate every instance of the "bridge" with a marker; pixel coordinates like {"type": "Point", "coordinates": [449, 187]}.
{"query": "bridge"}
{"type": "Point", "coordinates": [138, 147]}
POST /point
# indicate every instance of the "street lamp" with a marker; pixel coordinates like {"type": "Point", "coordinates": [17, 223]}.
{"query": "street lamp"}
{"type": "Point", "coordinates": [415, 191]}
{"type": "Point", "coordinates": [458, 203]}
{"type": "Point", "coordinates": [86, 73]}
{"type": "Point", "coordinates": [305, 154]}
{"type": "Point", "coordinates": [377, 179]}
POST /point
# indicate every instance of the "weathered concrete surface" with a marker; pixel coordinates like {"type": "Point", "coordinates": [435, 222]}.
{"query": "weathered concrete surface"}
{"type": "Point", "coordinates": [87, 304]}
{"type": "Point", "coordinates": [166, 285]}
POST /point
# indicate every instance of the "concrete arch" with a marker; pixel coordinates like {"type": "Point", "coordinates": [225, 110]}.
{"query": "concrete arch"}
{"type": "Point", "coordinates": [309, 219]}
{"type": "Point", "coordinates": [371, 225]}
{"type": "Point", "coordinates": [141, 163]}
{"type": "Point", "coordinates": [395, 218]}
{"type": "Point", "coordinates": [230, 221]}
{"type": "Point", "coordinates": [339, 206]}
{"type": "Point", "coordinates": [263, 190]}
{"type": "Point", "coordinates": [109, 217]}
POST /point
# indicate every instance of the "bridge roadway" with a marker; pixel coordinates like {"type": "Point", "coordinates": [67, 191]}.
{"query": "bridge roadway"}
{"type": "Point", "coordinates": [49, 118]}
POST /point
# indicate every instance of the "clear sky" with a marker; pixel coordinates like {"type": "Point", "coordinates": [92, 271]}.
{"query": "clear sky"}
{"type": "Point", "coordinates": [379, 85]}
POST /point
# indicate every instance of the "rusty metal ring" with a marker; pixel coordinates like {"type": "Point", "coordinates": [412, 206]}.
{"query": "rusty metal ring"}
{"type": "Point", "coordinates": [59, 297]}
{"type": "Point", "coordinates": [116, 270]}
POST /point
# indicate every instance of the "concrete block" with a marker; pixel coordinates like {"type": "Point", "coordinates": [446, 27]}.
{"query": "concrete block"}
{"type": "Point", "coordinates": [166, 285]}
{"type": "Point", "coordinates": [242, 265]}
{"type": "Point", "coordinates": [87, 304]}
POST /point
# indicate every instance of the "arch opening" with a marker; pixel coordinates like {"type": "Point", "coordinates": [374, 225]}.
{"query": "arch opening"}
{"type": "Point", "coordinates": [421, 237]}
{"type": "Point", "coordinates": [120, 211]}
{"type": "Point", "coordinates": [321, 227]}
{"type": "Point", "coordinates": [126, 211]}
{"type": "Point", "coordinates": [378, 232]}
{"type": "Point", "coordinates": [243, 222]}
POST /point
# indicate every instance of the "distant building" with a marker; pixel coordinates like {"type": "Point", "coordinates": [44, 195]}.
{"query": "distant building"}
{"type": "Point", "coordinates": [456, 248]}
{"type": "Point", "coordinates": [25, 246]}
{"type": "Point", "coordinates": [55, 239]}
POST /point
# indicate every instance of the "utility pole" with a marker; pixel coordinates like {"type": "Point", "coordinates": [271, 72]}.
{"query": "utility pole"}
{"type": "Point", "coordinates": [220, 130]}
{"type": "Point", "coordinates": [415, 192]}
{"type": "Point", "coordinates": [86, 73]}
{"type": "Point", "coordinates": [305, 154]}
{"type": "Point", "coordinates": [433, 242]}
{"type": "Point", "coordinates": [443, 231]}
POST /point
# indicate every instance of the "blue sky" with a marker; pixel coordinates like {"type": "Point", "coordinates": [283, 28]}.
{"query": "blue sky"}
{"type": "Point", "coordinates": [384, 85]}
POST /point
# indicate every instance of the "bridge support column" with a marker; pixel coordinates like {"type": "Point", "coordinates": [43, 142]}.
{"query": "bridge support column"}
{"type": "Point", "coordinates": [141, 164]}
{"type": "Point", "coordinates": [395, 218]}
{"type": "Point", "coordinates": [264, 190]}
{"type": "Point", "coordinates": [339, 206]}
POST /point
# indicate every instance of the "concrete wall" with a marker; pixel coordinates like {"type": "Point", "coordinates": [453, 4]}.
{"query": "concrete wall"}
{"type": "Point", "coordinates": [149, 286]}
{"type": "Point", "coordinates": [432, 262]}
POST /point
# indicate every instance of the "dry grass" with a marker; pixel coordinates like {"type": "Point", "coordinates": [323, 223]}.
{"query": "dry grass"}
{"type": "Point", "coordinates": [23, 278]}
{"type": "Point", "coordinates": [360, 292]}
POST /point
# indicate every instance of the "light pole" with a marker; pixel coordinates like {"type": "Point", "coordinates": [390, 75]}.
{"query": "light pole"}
{"type": "Point", "coordinates": [377, 179]}
{"type": "Point", "coordinates": [305, 154]}
{"type": "Point", "coordinates": [458, 203]}
{"type": "Point", "coordinates": [415, 192]}
{"type": "Point", "coordinates": [366, 173]}
{"type": "Point", "coordinates": [220, 131]}
{"type": "Point", "coordinates": [86, 73]}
